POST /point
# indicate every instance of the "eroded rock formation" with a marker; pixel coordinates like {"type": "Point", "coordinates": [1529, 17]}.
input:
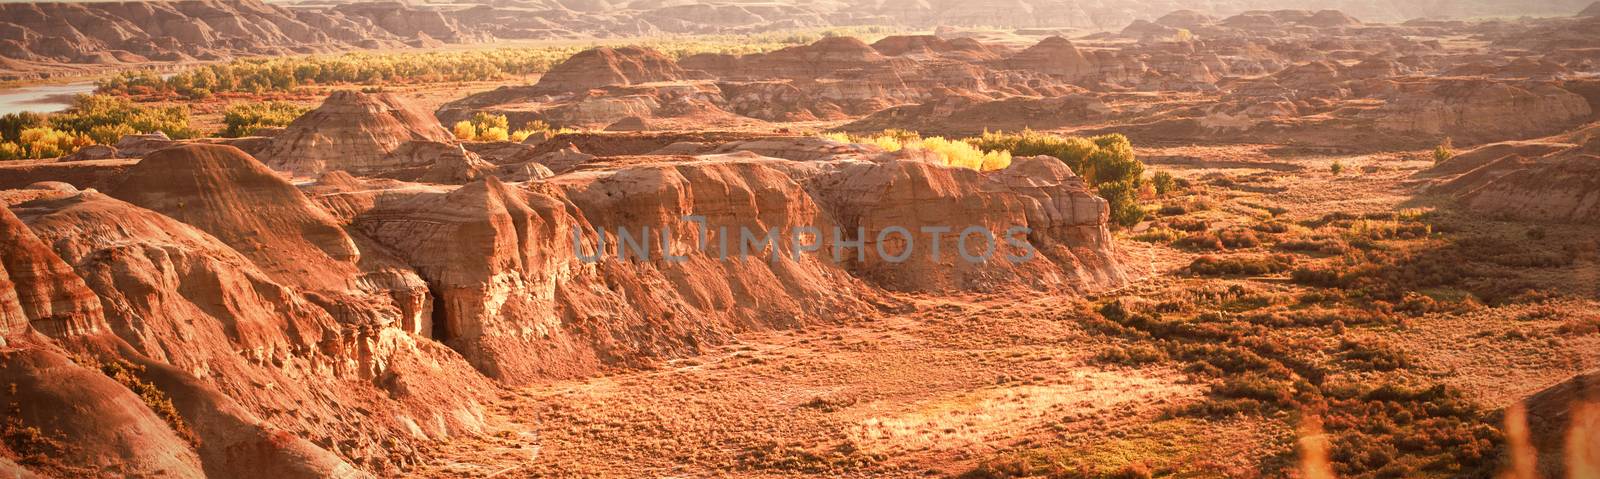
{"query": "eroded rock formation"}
{"type": "Point", "coordinates": [360, 133]}
{"type": "Point", "coordinates": [236, 324]}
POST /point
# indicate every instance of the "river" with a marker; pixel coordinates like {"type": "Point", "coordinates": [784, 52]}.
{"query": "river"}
{"type": "Point", "coordinates": [41, 98]}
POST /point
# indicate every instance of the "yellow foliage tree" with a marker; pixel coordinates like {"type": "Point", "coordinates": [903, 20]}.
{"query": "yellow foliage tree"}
{"type": "Point", "coordinates": [465, 130]}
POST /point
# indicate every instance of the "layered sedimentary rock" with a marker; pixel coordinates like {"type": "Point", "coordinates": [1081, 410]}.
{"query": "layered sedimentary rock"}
{"type": "Point", "coordinates": [833, 78]}
{"type": "Point", "coordinates": [1550, 179]}
{"type": "Point", "coordinates": [229, 195]}
{"type": "Point", "coordinates": [1317, 79]}
{"type": "Point", "coordinates": [339, 327]}
{"type": "Point", "coordinates": [110, 427]}
{"type": "Point", "coordinates": [605, 66]}
{"type": "Point", "coordinates": [267, 326]}
{"type": "Point", "coordinates": [39, 292]}
{"type": "Point", "coordinates": [357, 132]}
{"type": "Point", "coordinates": [1034, 223]}
{"type": "Point", "coordinates": [1475, 110]}
{"type": "Point", "coordinates": [39, 34]}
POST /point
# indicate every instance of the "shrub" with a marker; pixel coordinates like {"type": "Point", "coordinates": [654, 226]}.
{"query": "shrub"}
{"type": "Point", "coordinates": [128, 373]}
{"type": "Point", "coordinates": [957, 153]}
{"type": "Point", "coordinates": [1584, 324]}
{"type": "Point", "coordinates": [485, 121]}
{"type": "Point", "coordinates": [1158, 234]}
{"type": "Point", "coordinates": [12, 151]}
{"type": "Point", "coordinates": [1318, 245]}
{"type": "Point", "coordinates": [1101, 159]}
{"type": "Point", "coordinates": [1189, 225]}
{"type": "Point", "coordinates": [1106, 162]}
{"type": "Point", "coordinates": [465, 130]}
{"type": "Point", "coordinates": [1337, 168]}
{"type": "Point", "coordinates": [1387, 230]}
{"type": "Point", "coordinates": [1271, 227]}
{"type": "Point", "coordinates": [89, 111]}
{"type": "Point", "coordinates": [1186, 206]}
{"type": "Point", "coordinates": [91, 119]}
{"type": "Point", "coordinates": [1225, 239]}
{"type": "Point", "coordinates": [1210, 265]}
{"type": "Point", "coordinates": [12, 124]}
{"type": "Point", "coordinates": [1164, 183]}
{"type": "Point", "coordinates": [46, 142]}
{"type": "Point", "coordinates": [243, 119]}
{"type": "Point", "coordinates": [1378, 427]}
{"type": "Point", "coordinates": [494, 134]}
{"type": "Point", "coordinates": [1444, 152]}
{"type": "Point", "coordinates": [109, 134]}
{"type": "Point", "coordinates": [529, 129]}
{"type": "Point", "coordinates": [1373, 356]}
{"type": "Point", "coordinates": [1124, 201]}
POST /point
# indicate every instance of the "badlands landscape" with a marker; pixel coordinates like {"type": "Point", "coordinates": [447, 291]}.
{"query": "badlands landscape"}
{"type": "Point", "coordinates": [1120, 239]}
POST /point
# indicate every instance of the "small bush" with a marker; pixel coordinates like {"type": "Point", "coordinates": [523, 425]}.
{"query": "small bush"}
{"type": "Point", "coordinates": [1585, 323]}
{"type": "Point", "coordinates": [1388, 230]}
{"type": "Point", "coordinates": [485, 121]}
{"type": "Point", "coordinates": [1220, 240]}
{"type": "Point", "coordinates": [1316, 245]}
{"type": "Point", "coordinates": [465, 130]}
{"type": "Point", "coordinates": [127, 373]}
{"type": "Point", "coordinates": [1189, 225]}
{"type": "Point", "coordinates": [494, 134]}
{"type": "Point", "coordinates": [1272, 227]}
{"type": "Point", "coordinates": [1185, 207]}
{"type": "Point", "coordinates": [957, 153]}
{"type": "Point", "coordinates": [1210, 265]}
{"type": "Point", "coordinates": [1444, 152]}
{"type": "Point", "coordinates": [1165, 184]}
{"type": "Point", "coordinates": [1161, 235]}
{"type": "Point", "coordinates": [243, 119]}
{"type": "Point", "coordinates": [1373, 356]}
{"type": "Point", "coordinates": [1124, 200]}
{"type": "Point", "coordinates": [1337, 168]}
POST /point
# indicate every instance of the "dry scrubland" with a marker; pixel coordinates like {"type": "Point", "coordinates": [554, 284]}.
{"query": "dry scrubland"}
{"type": "Point", "coordinates": [1271, 244]}
{"type": "Point", "coordinates": [1284, 294]}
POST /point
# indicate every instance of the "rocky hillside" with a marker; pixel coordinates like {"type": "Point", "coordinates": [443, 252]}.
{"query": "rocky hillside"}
{"type": "Point", "coordinates": [1307, 79]}
{"type": "Point", "coordinates": [100, 33]}
{"type": "Point", "coordinates": [232, 323]}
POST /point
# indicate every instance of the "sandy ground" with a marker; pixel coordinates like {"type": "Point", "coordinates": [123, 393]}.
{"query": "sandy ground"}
{"type": "Point", "coordinates": [902, 395]}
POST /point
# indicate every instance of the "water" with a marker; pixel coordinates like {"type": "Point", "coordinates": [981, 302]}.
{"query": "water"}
{"type": "Point", "coordinates": [41, 98]}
